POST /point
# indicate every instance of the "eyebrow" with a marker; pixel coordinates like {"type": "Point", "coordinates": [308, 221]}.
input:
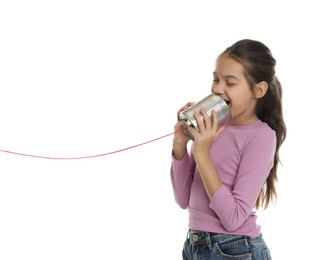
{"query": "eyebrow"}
{"type": "Point", "coordinates": [227, 76]}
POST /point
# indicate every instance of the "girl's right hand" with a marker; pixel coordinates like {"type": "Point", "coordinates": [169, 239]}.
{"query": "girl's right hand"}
{"type": "Point", "coordinates": [180, 138]}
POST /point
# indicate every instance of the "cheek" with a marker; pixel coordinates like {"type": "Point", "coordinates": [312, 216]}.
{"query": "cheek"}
{"type": "Point", "coordinates": [236, 104]}
{"type": "Point", "coordinates": [232, 108]}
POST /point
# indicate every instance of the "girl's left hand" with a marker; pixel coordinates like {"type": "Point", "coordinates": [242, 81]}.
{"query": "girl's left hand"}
{"type": "Point", "coordinates": [208, 132]}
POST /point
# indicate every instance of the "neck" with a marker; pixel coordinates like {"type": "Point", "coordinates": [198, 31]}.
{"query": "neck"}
{"type": "Point", "coordinates": [243, 121]}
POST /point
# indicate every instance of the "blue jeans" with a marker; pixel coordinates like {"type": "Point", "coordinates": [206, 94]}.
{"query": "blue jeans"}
{"type": "Point", "coordinates": [212, 246]}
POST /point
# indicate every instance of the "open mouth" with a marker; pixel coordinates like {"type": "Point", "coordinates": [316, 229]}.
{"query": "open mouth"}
{"type": "Point", "coordinates": [227, 102]}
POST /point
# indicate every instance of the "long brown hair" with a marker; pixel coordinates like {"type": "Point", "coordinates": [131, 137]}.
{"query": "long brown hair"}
{"type": "Point", "coordinates": [259, 66]}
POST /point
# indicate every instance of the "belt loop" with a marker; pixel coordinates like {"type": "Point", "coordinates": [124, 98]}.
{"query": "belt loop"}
{"type": "Point", "coordinates": [208, 239]}
{"type": "Point", "coordinates": [188, 236]}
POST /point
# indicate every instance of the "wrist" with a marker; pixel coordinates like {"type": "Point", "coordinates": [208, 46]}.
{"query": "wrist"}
{"type": "Point", "coordinates": [179, 150]}
{"type": "Point", "coordinates": [201, 155]}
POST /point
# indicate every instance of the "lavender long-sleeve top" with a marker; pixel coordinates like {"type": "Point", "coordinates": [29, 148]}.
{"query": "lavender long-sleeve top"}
{"type": "Point", "coordinates": [243, 157]}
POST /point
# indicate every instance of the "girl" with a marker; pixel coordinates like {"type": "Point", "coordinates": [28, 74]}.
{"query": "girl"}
{"type": "Point", "coordinates": [233, 169]}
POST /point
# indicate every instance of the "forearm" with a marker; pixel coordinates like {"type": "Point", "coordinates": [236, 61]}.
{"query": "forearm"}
{"type": "Point", "coordinates": [209, 175]}
{"type": "Point", "coordinates": [181, 178]}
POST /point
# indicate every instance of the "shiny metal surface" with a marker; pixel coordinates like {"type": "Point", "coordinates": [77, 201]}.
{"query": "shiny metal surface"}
{"type": "Point", "coordinates": [209, 103]}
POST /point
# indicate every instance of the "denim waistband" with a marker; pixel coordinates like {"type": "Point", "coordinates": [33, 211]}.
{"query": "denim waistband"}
{"type": "Point", "coordinates": [196, 237]}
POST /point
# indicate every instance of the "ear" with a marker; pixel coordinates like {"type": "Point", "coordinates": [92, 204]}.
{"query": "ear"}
{"type": "Point", "coordinates": [260, 89]}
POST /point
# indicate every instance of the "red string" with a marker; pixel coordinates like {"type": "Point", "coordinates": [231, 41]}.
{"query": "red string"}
{"type": "Point", "coordinates": [91, 156]}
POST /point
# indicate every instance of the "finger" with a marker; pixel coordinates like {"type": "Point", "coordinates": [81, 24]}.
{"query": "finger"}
{"type": "Point", "coordinates": [179, 125]}
{"type": "Point", "coordinates": [199, 121]}
{"type": "Point", "coordinates": [219, 131]}
{"type": "Point", "coordinates": [214, 120]}
{"type": "Point", "coordinates": [187, 105]}
{"type": "Point", "coordinates": [194, 132]}
{"type": "Point", "coordinates": [206, 118]}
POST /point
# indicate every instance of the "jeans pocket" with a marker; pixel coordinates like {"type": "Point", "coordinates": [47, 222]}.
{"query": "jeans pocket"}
{"type": "Point", "coordinates": [234, 250]}
{"type": "Point", "coordinates": [266, 254]}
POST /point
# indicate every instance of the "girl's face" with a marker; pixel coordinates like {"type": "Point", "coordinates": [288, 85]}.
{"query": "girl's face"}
{"type": "Point", "coordinates": [231, 84]}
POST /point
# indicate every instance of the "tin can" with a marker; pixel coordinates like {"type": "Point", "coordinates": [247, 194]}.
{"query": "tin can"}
{"type": "Point", "coordinates": [209, 103]}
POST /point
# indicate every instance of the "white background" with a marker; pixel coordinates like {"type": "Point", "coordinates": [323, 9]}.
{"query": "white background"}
{"type": "Point", "coordinates": [81, 78]}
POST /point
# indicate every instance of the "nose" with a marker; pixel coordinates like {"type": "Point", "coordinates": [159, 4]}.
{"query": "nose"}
{"type": "Point", "coordinates": [218, 88]}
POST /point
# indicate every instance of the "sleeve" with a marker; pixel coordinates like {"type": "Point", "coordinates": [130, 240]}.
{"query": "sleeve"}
{"type": "Point", "coordinates": [182, 173]}
{"type": "Point", "coordinates": [233, 206]}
